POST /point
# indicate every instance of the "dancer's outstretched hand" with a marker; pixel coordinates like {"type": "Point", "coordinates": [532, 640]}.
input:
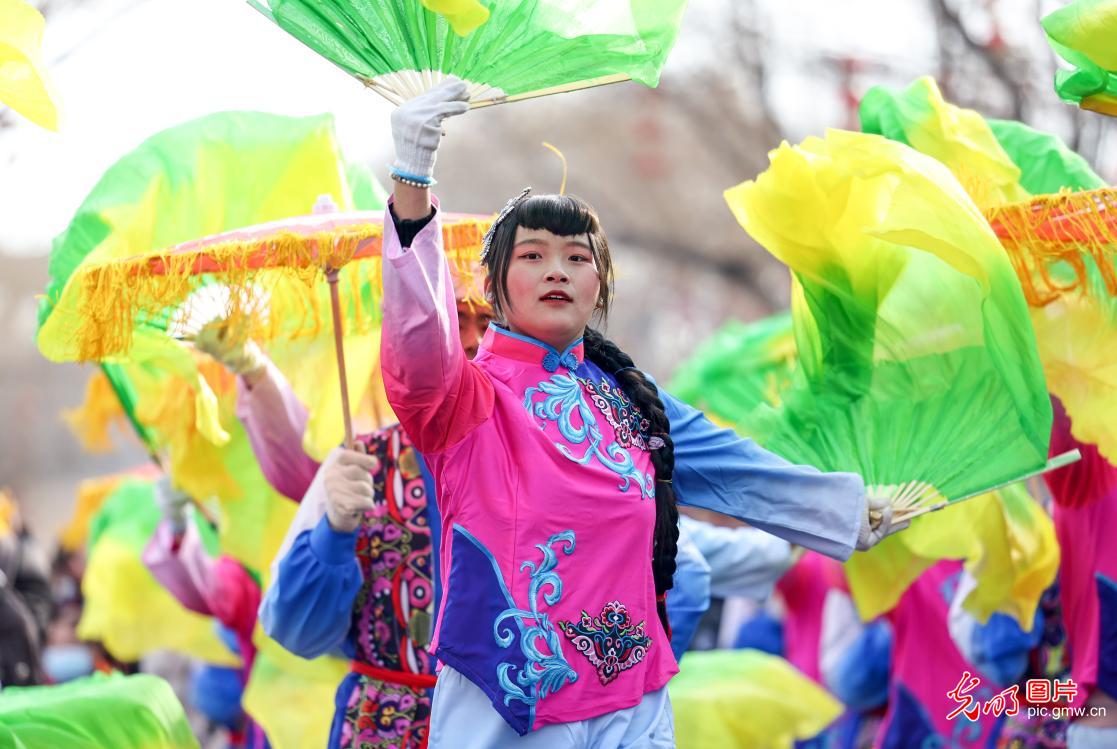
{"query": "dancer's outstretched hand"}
{"type": "Point", "coordinates": [876, 523]}
{"type": "Point", "coordinates": [417, 127]}
{"type": "Point", "coordinates": [242, 358]}
{"type": "Point", "coordinates": [172, 503]}
{"type": "Point", "coordinates": [348, 481]}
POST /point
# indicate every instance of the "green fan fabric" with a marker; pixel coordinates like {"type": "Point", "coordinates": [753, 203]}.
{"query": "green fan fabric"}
{"type": "Point", "coordinates": [400, 47]}
{"type": "Point", "coordinates": [1046, 164]}
{"type": "Point", "coordinates": [1084, 33]}
{"type": "Point", "coordinates": [995, 161]}
{"type": "Point", "coordinates": [219, 172]}
{"type": "Point", "coordinates": [917, 357]}
{"type": "Point", "coordinates": [739, 368]}
{"type": "Point", "coordinates": [97, 712]}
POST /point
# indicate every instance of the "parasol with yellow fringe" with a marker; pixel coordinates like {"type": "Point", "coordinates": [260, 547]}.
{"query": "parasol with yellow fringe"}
{"type": "Point", "coordinates": [204, 177]}
{"type": "Point", "coordinates": [271, 274]}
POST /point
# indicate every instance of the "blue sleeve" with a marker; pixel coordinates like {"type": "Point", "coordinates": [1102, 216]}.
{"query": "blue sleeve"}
{"type": "Point", "coordinates": [861, 678]}
{"type": "Point", "coordinates": [434, 523]}
{"type": "Point", "coordinates": [688, 600]}
{"type": "Point", "coordinates": [719, 470]}
{"type": "Point", "coordinates": [1000, 648]}
{"type": "Point", "coordinates": [308, 608]}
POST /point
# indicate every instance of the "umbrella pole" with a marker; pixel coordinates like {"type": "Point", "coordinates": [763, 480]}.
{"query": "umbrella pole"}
{"type": "Point", "coordinates": [335, 309]}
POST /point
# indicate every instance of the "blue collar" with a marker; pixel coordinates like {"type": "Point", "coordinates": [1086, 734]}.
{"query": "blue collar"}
{"type": "Point", "coordinates": [531, 350]}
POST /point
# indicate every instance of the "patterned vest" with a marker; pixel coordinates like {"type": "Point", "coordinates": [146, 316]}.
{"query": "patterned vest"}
{"type": "Point", "coordinates": [392, 614]}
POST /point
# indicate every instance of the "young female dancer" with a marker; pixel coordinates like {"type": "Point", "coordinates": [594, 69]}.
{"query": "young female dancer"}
{"type": "Point", "coordinates": [558, 465]}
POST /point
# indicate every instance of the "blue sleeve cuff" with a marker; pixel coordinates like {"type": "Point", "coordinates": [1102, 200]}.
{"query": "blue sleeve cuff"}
{"type": "Point", "coordinates": [330, 546]}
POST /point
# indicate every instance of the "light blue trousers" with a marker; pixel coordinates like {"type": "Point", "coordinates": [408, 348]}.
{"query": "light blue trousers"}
{"type": "Point", "coordinates": [1091, 737]}
{"type": "Point", "coordinates": [463, 718]}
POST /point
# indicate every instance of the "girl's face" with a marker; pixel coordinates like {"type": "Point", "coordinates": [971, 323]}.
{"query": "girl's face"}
{"type": "Point", "coordinates": [552, 286]}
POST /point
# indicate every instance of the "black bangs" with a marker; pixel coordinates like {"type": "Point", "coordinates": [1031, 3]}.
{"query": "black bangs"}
{"type": "Point", "coordinates": [564, 215]}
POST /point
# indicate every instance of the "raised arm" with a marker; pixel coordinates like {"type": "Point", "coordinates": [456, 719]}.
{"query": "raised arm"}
{"type": "Point", "coordinates": [275, 420]}
{"type": "Point", "coordinates": [267, 406]}
{"type": "Point", "coordinates": [434, 390]}
{"type": "Point", "coordinates": [308, 608]}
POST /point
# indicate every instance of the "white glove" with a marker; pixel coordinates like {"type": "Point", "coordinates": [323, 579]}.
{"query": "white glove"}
{"type": "Point", "coordinates": [417, 127]}
{"type": "Point", "coordinates": [348, 481]}
{"type": "Point", "coordinates": [172, 503]}
{"type": "Point", "coordinates": [876, 523]}
{"type": "Point", "coordinates": [239, 358]}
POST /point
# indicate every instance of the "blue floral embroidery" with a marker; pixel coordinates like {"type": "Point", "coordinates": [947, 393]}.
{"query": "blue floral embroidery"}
{"type": "Point", "coordinates": [546, 670]}
{"type": "Point", "coordinates": [564, 397]}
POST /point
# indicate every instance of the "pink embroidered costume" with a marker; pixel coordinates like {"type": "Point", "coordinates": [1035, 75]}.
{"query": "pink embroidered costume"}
{"type": "Point", "coordinates": [546, 493]}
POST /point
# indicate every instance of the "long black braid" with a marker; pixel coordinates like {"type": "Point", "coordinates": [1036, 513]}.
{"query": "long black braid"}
{"type": "Point", "coordinates": [644, 395]}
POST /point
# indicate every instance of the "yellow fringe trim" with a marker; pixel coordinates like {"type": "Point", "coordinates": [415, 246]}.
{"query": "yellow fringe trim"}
{"type": "Point", "coordinates": [285, 297]}
{"type": "Point", "coordinates": [1090, 213]}
{"type": "Point", "coordinates": [92, 494]}
{"type": "Point", "coordinates": [100, 408]}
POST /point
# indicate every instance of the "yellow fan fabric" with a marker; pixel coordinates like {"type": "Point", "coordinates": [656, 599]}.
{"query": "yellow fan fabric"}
{"type": "Point", "coordinates": [746, 698]}
{"type": "Point", "coordinates": [25, 85]}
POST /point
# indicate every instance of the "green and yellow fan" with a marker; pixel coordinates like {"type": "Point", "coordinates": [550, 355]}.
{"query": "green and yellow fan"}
{"type": "Point", "coordinates": [1062, 244]}
{"type": "Point", "coordinates": [740, 367]}
{"type": "Point", "coordinates": [125, 712]}
{"type": "Point", "coordinates": [1084, 33]}
{"type": "Point", "coordinates": [505, 50]}
{"type": "Point", "coordinates": [918, 367]}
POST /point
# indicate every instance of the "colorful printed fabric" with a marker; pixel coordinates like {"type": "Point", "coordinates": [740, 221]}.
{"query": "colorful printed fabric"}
{"type": "Point", "coordinates": [368, 594]}
{"type": "Point", "coordinates": [393, 610]}
{"type": "Point", "coordinates": [380, 715]}
{"type": "Point", "coordinates": [1083, 34]}
{"type": "Point", "coordinates": [100, 711]}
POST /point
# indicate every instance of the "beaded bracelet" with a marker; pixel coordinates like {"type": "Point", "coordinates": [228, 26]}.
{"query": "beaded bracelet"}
{"type": "Point", "coordinates": [411, 180]}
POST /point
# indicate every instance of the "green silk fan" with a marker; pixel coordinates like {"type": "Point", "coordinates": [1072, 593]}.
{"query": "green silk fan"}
{"type": "Point", "coordinates": [917, 366]}
{"type": "Point", "coordinates": [505, 50]}
{"type": "Point", "coordinates": [1084, 33]}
